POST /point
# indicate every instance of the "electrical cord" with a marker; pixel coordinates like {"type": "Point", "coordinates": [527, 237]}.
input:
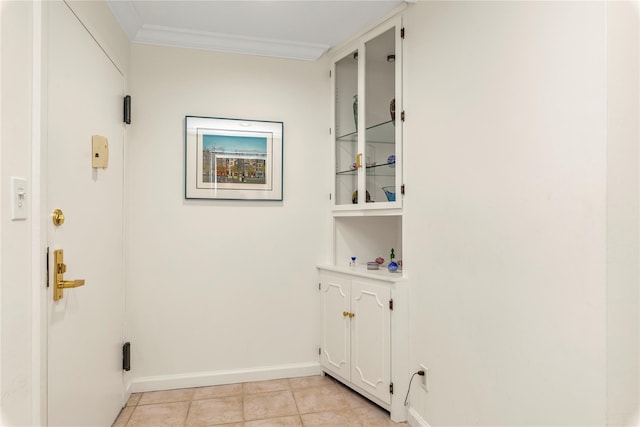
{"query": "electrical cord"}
{"type": "Point", "coordinates": [421, 373]}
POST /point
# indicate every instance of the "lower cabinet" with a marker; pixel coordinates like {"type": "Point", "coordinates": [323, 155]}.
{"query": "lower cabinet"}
{"type": "Point", "coordinates": [357, 345]}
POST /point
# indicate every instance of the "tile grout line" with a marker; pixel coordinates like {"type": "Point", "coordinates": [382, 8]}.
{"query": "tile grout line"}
{"type": "Point", "coordinates": [186, 417]}
{"type": "Point", "coordinates": [242, 400]}
{"type": "Point", "coordinates": [295, 401]}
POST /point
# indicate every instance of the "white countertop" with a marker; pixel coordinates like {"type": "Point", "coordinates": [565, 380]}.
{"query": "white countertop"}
{"type": "Point", "coordinates": [361, 270]}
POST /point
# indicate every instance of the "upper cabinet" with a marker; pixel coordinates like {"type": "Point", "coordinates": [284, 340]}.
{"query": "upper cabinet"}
{"type": "Point", "coordinates": [367, 121]}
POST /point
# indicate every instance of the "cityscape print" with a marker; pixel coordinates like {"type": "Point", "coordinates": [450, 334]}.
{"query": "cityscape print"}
{"type": "Point", "coordinates": [234, 159]}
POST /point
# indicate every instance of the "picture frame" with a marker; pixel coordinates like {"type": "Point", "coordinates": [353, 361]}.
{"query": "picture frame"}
{"type": "Point", "coordinates": [233, 159]}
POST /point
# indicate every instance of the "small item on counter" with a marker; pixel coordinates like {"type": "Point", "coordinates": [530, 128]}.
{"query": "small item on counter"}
{"type": "Point", "coordinates": [372, 265]}
{"type": "Point", "coordinates": [352, 263]}
{"type": "Point", "coordinates": [393, 266]}
{"type": "Point", "coordinates": [380, 260]}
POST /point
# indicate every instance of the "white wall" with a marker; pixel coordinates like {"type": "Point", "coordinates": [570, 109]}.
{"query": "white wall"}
{"type": "Point", "coordinates": [16, 44]}
{"type": "Point", "coordinates": [506, 226]}
{"type": "Point", "coordinates": [219, 286]}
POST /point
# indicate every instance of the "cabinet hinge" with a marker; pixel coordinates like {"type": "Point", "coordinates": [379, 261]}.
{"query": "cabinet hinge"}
{"type": "Point", "coordinates": [127, 110]}
{"type": "Point", "coordinates": [329, 196]}
{"type": "Point", "coordinates": [319, 351]}
{"type": "Point", "coordinates": [391, 388]}
{"type": "Point", "coordinates": [319, 286]}
{"type": "Point", "coordinates": [329, 73]}
{"type": "Point", "coordinates": [329, 131]}
{"type": "Point", "coordinates": [402, 189]}
{"type": "Point", "coordinates": [46, 260]}
{"type": "Point", "coordinates": [391, 304]}
{"type": "Point", "coordinates": [126, 356]}
{"type": "Point", "coordinates": [402, 32]}
{"type": "Point", "coordinates": [402, 116]}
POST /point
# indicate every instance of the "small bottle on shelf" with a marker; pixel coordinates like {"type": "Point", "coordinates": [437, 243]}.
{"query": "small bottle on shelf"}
{"type": "Point", "coordinates": [393, 266]}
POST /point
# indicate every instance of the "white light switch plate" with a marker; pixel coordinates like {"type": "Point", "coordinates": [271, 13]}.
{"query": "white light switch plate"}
{"type": "Point", "coordinates": [19, 205]}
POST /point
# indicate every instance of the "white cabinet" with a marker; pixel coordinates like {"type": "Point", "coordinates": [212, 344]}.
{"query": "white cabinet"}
{"type": "Point", "coordinates": [364, 326]}
{"type": "Point", "coordinates": [355, 338]}
{"type": "Point", "coordinates": [364, 329]}
{"type": "Point", "coordinates": [367, 125]}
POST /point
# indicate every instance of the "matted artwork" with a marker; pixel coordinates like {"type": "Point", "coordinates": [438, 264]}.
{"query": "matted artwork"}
{"type": "Point", "coordinates": [233, 159]}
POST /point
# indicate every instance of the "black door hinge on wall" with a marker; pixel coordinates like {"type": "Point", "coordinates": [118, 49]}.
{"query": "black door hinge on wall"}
{"type": "Point", "coordinates": [127, 110]}
{"type": "Point", "coordinates": [319, 351]}
{"type": "Point", "coordinates": [391, 388]}
{"type": "Point", "coordinates": [126, 356]}
{"type": "Point", "coordinates": [391, 304]}
{"type": "Point", "coordinates": [402, 32]}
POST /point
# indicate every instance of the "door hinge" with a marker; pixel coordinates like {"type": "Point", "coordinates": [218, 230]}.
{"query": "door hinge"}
{"type": "Point", "coordinates": [329, 196]}
{"type": "Point", "coordinates": [391, 304]}
{"type": "Point", "coordinates": [402, 116]}
{"type": "Point", "coordinates": [402, 32]}
{"type": "Point", "coordinates": [127, 110]}
{"type": "Point", "coordinates": [402, 189]}
{"type": "Point", "coordinates": [319, 351]}
{"type": "Point", "coordinates": [319, 286]}
{"type": "Point", "coordinates": [329, 131]}
{"type": "Point", "coordinates": [47, 265]}
{"type": "Point", "coordinates": [329, 73]}
{"type": "Point", "coordinates": [391, 388]}
{"type": "Point", "coordinates": [126, 356]}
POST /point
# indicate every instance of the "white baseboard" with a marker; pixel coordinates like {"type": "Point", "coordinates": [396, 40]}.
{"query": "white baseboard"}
{"type": "Point", "coordinates": [415, 419]}
{"type": "Point", "coordinates": [232, 376]}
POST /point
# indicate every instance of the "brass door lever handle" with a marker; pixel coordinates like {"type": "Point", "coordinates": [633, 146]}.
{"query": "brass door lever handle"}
{"type": "Point", "coordinates": [70, 283]}
{"type": "Point", "coordinates": [58, 276]}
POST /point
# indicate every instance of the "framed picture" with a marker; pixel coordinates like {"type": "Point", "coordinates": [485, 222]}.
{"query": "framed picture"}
{"type": "Point", "coordinates": [233, 159]}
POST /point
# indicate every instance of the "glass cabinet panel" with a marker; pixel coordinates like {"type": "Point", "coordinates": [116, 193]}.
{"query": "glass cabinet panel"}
{"type": "Point", "coordinates": [380, 121]}
{"type": "Point", "coordinates": [346, 129]}
{"type": "Point", "coordinates": [368, 132]}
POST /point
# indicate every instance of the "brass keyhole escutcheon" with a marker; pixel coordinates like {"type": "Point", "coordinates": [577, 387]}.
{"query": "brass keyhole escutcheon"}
{"type": "Point", "coordinates": [58, 217]}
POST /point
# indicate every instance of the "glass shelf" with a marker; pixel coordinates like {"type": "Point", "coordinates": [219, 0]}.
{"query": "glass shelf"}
{"type": "Point", "coordinates": [382, 133]}
{"type": "Point", "coordinates": [355, 171]}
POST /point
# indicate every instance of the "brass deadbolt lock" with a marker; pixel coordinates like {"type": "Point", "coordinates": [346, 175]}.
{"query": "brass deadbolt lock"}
{"type": "Point", "coordinates": [58, 217]}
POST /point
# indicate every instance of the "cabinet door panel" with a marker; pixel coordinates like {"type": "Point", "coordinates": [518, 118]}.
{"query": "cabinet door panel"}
{"type": "Point", "coordinates": [370, 339]}
{"type": "Point", "coordinates": [335, 341]}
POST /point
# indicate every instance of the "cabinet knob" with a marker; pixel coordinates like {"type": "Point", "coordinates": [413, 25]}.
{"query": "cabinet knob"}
{"type": "Point", "coordinates": [352, 315]}
{"type": "Point", "coordinates": [345, 313]}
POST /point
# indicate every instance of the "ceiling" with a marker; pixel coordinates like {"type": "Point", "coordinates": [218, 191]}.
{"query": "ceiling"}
{"type": "Point", "coordinates": [302, 29]}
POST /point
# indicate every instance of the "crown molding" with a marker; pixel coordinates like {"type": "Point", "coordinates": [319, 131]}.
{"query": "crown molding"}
{"type": "Point", "coordinates": [127, 16]}
{"type": "Point", "coordinates": [178, 37]}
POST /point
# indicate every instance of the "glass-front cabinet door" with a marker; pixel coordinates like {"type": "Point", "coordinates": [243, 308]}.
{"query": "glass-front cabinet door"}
{"type": "Point", "coordinates": [368, 131]}
{"type": "Point", "coordinates": [346, 128]}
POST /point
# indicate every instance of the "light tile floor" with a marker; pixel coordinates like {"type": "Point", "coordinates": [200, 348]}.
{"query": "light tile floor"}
{"type": "Point", "coordinates": [305, 401]}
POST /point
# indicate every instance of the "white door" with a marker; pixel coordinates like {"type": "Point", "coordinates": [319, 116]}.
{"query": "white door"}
{"type": "Point", "coordinates": [370, 338]}
{"type": "Point", "coordinates": [335, 339]}
{"type": "Point", "coordinates": [85, 327]}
